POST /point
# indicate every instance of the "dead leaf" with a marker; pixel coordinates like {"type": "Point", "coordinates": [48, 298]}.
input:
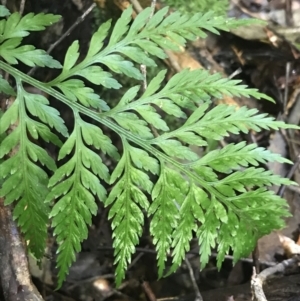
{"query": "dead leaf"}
{"type": "Point", "coordinates": [289, 245]}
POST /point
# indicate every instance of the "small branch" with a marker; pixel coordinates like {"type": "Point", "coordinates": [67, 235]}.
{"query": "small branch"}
{"type": "Point", "coordinates": [256, 288]}
{"type": "Point", "coordinates": [148, 291]}
{"type": "Point", "coordinates": [289, 21]}
{"type": "Point", "coordinates": [144, 72]}
{"type": "Point", "coordinates": [286, 88]}
{"type": "Point", "coordinates": [22, 6]}
{"type": "Point", "coordinates": [229, 257]}
{"type": "Point", "coordinates": [289, 176]}
{"type": "Point", "coordinates": [136, 5]}
{"type": "Point", "coordinates": [15, 276]}
{"type": "Point", "coordinates": [77, 22]}
{"type": "Point", "coordinates": [255, 256]}
{"type": "Point", "coordinates": [153, 5]}
{"type": "Point", "coordinates": [192, 276]}
{"type": "Point", "coordinates": [258, 280]}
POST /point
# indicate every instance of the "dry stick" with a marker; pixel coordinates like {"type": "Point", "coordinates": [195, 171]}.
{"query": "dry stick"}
{"type": "Point", "coordinates": [255, 258]}
{"type": "Point", "coordinates": [148, 291]}
{"type": "Point", "coordinates": [136, 5]}
{"type": "Point", "coordinates": [294, 189]}
{"type": "Point", "coordinates": [286, 90]}
{"type": "Point", "coordinates": [194, 282]}
{"type": "Point", "coordinates": [229, 257]}
{"type": "Point", "coordinates": [22, 6]}
{"type": "Point", "coordinates": [257, 281]}
{"type": "Point", "coordinates": [289, 21]}
{"type": "Point", "coordinates": [136, 259]}
{"type": "Point", "coordinates": [289, 176]}
{"type": "Point", "coordinates": [15, 275]}
{"type": "Point", "coordinates": [77, 22]}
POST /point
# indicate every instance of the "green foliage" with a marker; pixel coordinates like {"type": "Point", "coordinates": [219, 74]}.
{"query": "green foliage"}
{"type": "Point", "coordinates": [219, 7]}
{"type": "Point", "coordinates": [218, 197]}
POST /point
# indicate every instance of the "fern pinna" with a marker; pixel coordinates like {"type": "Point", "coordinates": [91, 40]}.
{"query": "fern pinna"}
{"type": "Point", "coordinates": [158, 176]}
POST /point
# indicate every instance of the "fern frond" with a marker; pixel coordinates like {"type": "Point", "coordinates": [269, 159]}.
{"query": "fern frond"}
{"type": "Point", "coordinates": [168, 193]}
{"type": "Point", "coordinates": [188, 195]}
{"type": "Point", "coordinates": [218, 123]}
{"type": "Point", "coordinates": [128, 201]}
{"type": "Point", "coordinates": [71, 185]}
{"type": "Point", "coordinates": [233, 156]}
{"type": "Point", "coordinates": [16, 26]}
{"type": "Point", "coordinates": [4, 12]}
{"type": "Point", "coordinates": [191, 213]}
{"type": "Point", "coordinates": [24, 181]}
{"type": "Point", "coordinates": [5, 87]}
{"type": "Point", "coordinates": [249, 178]}
{"type": "Point", "coordinates": [137, 42]}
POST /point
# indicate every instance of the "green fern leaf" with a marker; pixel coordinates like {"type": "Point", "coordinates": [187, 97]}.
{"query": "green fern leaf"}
{"type": "Point", "coordinates": [5, 87]}
{"type": "Point", "coordinates": [126, 214]}
{"type": "Point", "coordinates": [71, 185]}
{"type": "Point", "coordinates": [190, 212]}
{"type": "Point", "coordinates": [26, 183]}
{"type": "Point", "coordinates": [38, 106]}
{"type": "Point", "coordinates": [18, 27]}
{"type": "Point", "coordinates": [71, 57]}
{"type": "Point", "coordinates": [121, 26]}
{"type": "Point", "coordinates": [118, 65]}
{"type": "Point", "coordinates": [4, 11]}
{"type": "Point", "coordinates": [27, 54]}
{"type": "Point", "coordinates": [150, 115]}
{"type": "Point", "coordinates": [233, 156]}
{"type": "Point", "coordinates": [97, 39]}
{"type": "Point", "coordinates": [75, 90]}
{"type": "Point", "coordinates": [167, 194]}
{"type": "Point", "coordinates": [132, 123]}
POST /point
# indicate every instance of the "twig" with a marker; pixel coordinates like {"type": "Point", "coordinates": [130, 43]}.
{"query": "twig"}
{"type": "Point", "coordinates": [144, 72]}
{"type": "Point", "coordinates": [15, 276]}
{"type": "Point", "coordinates": [235, 73]}
{"type": "Point", "coordinates": [256, 288]}
{"type": "Point", "coordinates": [136, 5]}
{"type": "Point", "coordinates": [77, 22]}
{"type": "Point", "coordinates": [192, 276]}
{"type": "Point", "coordinates": [148, 291]}
{"type": "Point", "coordinates": [289, 176]}
{"type": "Point", "coordinates": [153, 4]}
{"type": "Point", "coordinates": [286, 88]}
{"type": "Point", "coordinates": [289, 21]}
{"type": "Point", "coordinates": [229, 257]}
{"type": "Point", "coordinates": [136, 259]}
{"type": "Point", "coordinates": [294, 189]}
{"type": "Point", "coordinates": [22, 6]}
{"type": "Point", "coordinates": [255, 256]}
{"type": "Point", "coordinates": [258, 280]}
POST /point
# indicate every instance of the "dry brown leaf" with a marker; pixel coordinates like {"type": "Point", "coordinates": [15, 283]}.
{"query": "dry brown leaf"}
{"type": "Point", "coordinates": [289, 245]}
